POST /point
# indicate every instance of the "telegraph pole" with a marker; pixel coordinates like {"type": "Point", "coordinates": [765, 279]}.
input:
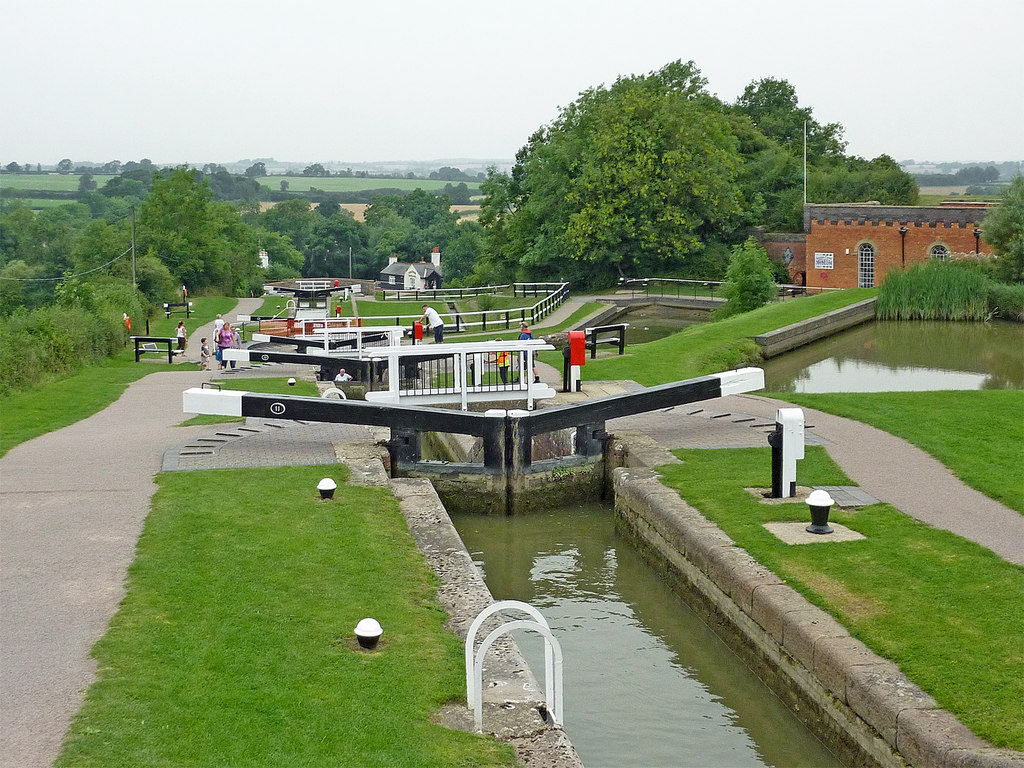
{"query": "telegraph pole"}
{"type": "Point", "coordinates": [135, 285]}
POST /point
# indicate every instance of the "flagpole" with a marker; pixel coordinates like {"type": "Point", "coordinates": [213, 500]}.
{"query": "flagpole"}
{"type": "Point", "coordinates": [805, 162]}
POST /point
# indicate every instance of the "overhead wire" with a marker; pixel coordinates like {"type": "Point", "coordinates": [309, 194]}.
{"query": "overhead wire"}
{"type": "Point", "coordinates": [65, 277]}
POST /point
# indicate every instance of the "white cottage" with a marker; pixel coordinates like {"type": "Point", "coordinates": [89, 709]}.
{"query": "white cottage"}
{"type": "Point", "coordinates": [420, 276]}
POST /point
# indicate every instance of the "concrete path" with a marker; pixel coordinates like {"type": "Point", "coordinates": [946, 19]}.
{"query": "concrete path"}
{"type": "Point", "coordinates": [72, 505]}
{"type": "Point", "coordinates": [884, 466]}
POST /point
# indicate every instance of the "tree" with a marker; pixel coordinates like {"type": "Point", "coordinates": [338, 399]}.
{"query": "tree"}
{"type": "Point", "coordinates": [86, 183]}
{"type": "Point", "coordinates": [315, 170]}
{"type": "Point", "coordinates": [12, 168]}
{"type": "Point", "coordinates": [1004, 230]}
{"type": "Point", "coordinates": [65, 166]}
{"type": "Point", "coordinates": [284, 185]}
{"type": "Point", "coordinates": [749, 279]}
{"type": "Point", "coordinates": [293, 218]}
{"type": "Point", "coordinates": [202, 243]}
{"type": "Point", "coordinates": [256, 170]}
{"type": "Point", "coordinates": [773, 106]}
{"type": "Point", "coordinates": [628, 179]}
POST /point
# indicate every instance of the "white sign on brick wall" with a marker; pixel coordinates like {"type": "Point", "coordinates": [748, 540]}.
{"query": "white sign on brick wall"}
{"type": "Point", "coordinates": [823, 260]}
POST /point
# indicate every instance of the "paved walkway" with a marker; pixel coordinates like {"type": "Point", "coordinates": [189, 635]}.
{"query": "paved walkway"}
{"type": "Point", "coordinates": [72, 505]}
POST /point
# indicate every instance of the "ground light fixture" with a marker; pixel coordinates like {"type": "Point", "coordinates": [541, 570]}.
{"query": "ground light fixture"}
{"type": "Point", "coordinates": [368, 633]}
{"type": "Point", "coordinates": [291, 382]}
{"type": "Point", "coordinates": [820, 503]}
{"type": "Point", "coordinates": [326, 487]}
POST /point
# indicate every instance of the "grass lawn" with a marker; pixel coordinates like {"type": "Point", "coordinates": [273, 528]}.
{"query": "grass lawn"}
{"type": "Point", "coordinates": [948, 611]}
{"type": "Point", "coordinates": [234, 644]}
{"type": "Point", "coordinates": [271, 386]}
{"type": "Point", "coordinates": [977, 434]}
{"type": "Point", "coordinates": [713, 347]}
{"type": "Point", "coordinates": [32, 413]}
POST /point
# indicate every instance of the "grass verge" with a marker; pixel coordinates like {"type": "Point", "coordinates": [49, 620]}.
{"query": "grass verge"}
{"type": "Point", "coordinates": [234, 645]}
{"type": "Point", "coordinates": [979, 435]}
{"type": "Point", "coordinates": [945, 609]}
{"type": "Point", "coordinates": [67, 400]}
{"type": "Point", "coordinates": [271, 386]}
{"type": "Point", "coordinates": [710, 347]}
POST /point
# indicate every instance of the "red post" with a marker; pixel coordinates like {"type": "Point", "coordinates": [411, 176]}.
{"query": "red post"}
{"type": "Point", "coordinates": [577, 348]}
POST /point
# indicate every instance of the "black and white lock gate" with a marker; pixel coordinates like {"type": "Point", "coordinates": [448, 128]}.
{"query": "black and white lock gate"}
{"type": "Point", "coordinates": [506, 435]}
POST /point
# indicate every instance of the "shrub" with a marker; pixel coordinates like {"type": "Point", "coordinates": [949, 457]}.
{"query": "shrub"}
{"type": "Point", "coordinates": [1006, 301]}
{"type": "Point", "coordinates": [749, 280]}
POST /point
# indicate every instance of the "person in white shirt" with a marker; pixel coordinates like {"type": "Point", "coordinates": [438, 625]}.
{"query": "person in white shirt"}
{"type": "Point", "coordinates": [342, 377]}
{"type": "Point", "coordinates": [434, 322]}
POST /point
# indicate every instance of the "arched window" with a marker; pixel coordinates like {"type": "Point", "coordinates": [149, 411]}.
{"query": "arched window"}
{"type": "Point", "coordinates": [866, 266]}
{"type": "Point", "coordinates": [939, 252]}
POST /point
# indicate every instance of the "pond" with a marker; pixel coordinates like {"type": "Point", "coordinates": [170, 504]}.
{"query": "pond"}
{"type": "Point", "coordinates": [903, 357]}
{"type": "Point", "coordinates": [647, 683]}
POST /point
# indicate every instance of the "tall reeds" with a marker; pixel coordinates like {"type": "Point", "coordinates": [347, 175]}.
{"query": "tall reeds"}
{"type": "Point", "coordinates": [935, 291]}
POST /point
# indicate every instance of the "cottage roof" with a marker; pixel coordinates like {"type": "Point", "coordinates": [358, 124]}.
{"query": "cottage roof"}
{"type": "Point", "coordinates": [423, 268]}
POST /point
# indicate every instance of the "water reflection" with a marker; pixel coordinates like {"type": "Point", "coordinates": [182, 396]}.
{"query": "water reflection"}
{"type": "Point", "coordinates": [646, 682]}
{"type": "Point", "coordinates": [905, 356]}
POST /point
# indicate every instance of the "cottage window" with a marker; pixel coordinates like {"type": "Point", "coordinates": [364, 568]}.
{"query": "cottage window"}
{"type": "Point", "coordinates": [866, 266]}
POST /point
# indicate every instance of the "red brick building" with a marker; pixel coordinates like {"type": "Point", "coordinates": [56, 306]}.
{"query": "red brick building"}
{"type": "Point", "coordinates": [853, 245]}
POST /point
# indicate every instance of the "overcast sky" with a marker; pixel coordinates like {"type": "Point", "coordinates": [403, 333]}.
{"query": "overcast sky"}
{"type": "Point", "coordinates": [324, 80]}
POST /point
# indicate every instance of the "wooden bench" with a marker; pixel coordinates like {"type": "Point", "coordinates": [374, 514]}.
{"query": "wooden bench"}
{"type": "Point", "coordinates": [161, 344]}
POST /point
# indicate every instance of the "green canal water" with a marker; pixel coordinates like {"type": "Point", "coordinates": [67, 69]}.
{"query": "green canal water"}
{"type": "Point", "coordinates": [647, 683]}
{"type": "Point", "coordinates": [904, 357]}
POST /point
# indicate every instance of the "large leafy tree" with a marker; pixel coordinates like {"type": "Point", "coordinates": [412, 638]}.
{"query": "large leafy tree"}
{"type": "Point", "coordinates": [629, 178]}
{"type": "Point", "coordinates": [1004, 230]}
{"type": "Point", "coordinates": [202, 243]}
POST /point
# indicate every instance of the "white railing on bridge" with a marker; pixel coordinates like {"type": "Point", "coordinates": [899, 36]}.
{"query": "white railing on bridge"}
{"type": "Point", "coordinates": [484, 371]}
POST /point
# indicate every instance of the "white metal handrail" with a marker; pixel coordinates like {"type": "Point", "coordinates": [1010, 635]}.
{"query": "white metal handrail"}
{"type": "Point", "coordinates": [475, 662]}
{"type": "Point", "coordinates": [473, 692]}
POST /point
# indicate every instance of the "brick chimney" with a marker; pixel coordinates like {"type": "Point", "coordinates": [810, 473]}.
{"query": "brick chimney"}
{"type": "Point", "coordinates": [435, 256]}
{"type": "Point", "coordinates": [392, 259]}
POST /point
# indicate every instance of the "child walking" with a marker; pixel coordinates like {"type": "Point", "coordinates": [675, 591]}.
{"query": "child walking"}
{"type": "Point", "coordinates": [204, 355]}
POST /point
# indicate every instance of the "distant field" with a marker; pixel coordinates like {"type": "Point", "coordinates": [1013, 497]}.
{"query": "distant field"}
{"type": "Point", "coordinates": [947, 190]}
{"type": "Point", "coordinates": [49, 181]}
{"type": "Point", "coordinates": [359, 209]}
{"type": "Point", "coordinates": [338, 184]}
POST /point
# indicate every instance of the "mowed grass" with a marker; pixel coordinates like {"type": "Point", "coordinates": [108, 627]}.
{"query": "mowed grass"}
{"type": "Point", "coordinates": [979, 435]}
{"type": "Point", "coordinates": [271, 386]}
{"type": "Point", "coordinates": [343, 184]}
{"type": "Point", "coordinates": [948, 611]}
{"type": "Point", "coordinates": [234, 643]}
{"type": "Point", "coordinates": [708, 348]}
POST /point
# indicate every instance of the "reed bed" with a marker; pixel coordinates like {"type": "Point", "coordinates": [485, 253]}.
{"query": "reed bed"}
{"type": "Point", "coordinates": [935, 291]}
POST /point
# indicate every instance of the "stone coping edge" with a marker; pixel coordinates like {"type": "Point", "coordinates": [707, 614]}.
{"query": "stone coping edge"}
{"type": "Point", "coordinates": [511, 693]}
{"type": "Point", "coordinates": [804, 332]}
{"type": "Point", "coordinates": [889, 718]}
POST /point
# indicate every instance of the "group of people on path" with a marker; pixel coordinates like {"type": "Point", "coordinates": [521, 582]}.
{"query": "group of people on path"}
{"type": "Point", "coordinates": [224, 337]}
